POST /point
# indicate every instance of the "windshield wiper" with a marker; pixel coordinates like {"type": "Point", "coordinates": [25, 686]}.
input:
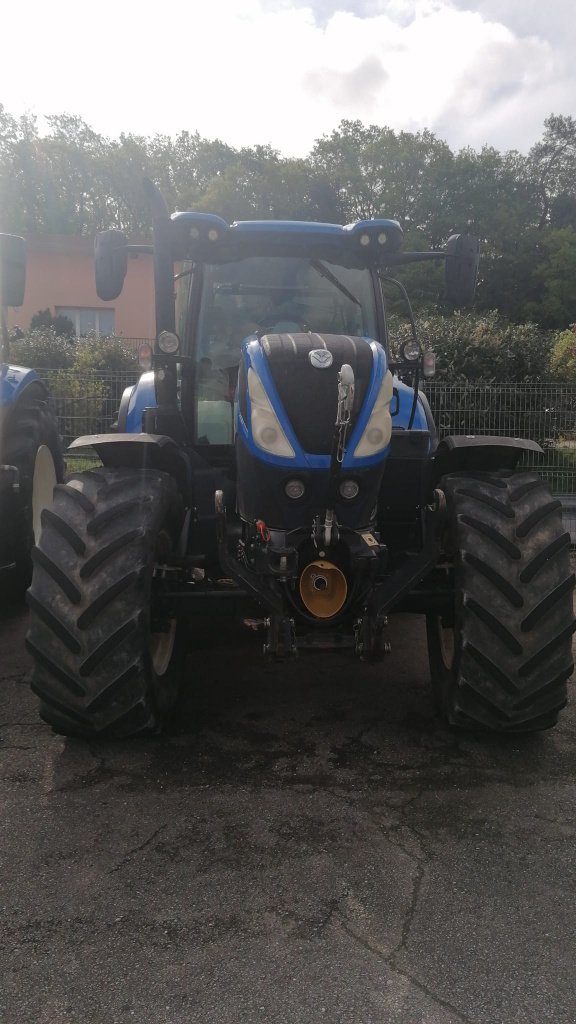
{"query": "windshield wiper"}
{"type": "Point", "coordinates": [325, 272]}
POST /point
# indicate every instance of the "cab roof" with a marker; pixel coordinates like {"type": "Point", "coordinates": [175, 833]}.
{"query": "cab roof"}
{"type": "Point", "coordinates": [206, 238]}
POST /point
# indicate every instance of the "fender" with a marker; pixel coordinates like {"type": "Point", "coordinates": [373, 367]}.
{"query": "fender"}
{"type": "Point", "coordinates": [15, 380]}
{"type": "Point", "coordinates": [458, 452]}
{"type": "Point", "coordinates": [141, 451]}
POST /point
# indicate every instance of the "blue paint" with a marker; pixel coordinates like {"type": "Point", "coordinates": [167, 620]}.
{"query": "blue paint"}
{"type": "Point", "coordinates": [254, 357]}
{"type": "Point", "coordinates": [142, 396]}
{"type": "Point", "coordinates": [13, 381]}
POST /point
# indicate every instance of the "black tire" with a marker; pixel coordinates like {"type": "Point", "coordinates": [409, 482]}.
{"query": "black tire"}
{"type": "Point", "coordinates": [31, 443]}
{"type": "Point", "coordinates": [107, 658]}
{"type": "Point", "coordinates": [508, 656]}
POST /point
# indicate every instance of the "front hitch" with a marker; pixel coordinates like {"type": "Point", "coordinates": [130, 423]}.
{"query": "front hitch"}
{"type": "Point", "coordinates": [329, 531]}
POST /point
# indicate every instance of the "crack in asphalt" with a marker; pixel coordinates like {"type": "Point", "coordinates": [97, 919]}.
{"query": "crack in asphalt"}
{"type": "Point", "coordinates": [137, 849]}
{"type": "Point", "coordinates": [371, 946]}
{"type": "Point", "coordinates": [421, 863]}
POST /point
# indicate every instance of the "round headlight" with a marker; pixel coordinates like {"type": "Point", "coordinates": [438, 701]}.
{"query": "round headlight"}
{"type": "Point", "coordinates": [213, 235]}
{"type": "Point", "coordinates": [411, 351]}
{"type": "Point", "coordinates": [364, 239]}
{"type": "Point", "coordinates": [168, 342]}
{"type": "Point", "coordinates": [268, 435]}
{"type": "Point", "coordinates": [382, 238]}
{"type": "Point", "coordinates": [375, 436]}
{"type": "Point", "coordinates": [194, 233]}
{"type": "Point", "coordinates": [349, 489]}
{"type": "Point", "coordinates": [294, 489]}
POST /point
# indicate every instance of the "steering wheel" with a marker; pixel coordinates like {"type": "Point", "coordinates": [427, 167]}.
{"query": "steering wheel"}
{"type": "Point", "coordinates": [283, 326]}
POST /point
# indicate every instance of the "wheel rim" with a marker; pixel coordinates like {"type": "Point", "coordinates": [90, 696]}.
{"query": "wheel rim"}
{"type": "Point", "coordinates": [447, 644]}
{"type": "Point", "coordinates": [162, 648]}
{"type": "Point", "coordinates": [43, 484]}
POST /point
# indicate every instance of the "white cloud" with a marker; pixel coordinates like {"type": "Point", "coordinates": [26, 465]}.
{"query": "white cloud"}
{"type": "Point", "coordinates": [287, 71]}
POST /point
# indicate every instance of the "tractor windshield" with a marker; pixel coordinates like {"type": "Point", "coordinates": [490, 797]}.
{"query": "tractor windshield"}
{"type": "Point", "coordinates": [271, 295]}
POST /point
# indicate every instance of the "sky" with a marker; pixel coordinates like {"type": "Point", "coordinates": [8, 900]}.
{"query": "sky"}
{"type": "Point", "coordinates": [286, 72]}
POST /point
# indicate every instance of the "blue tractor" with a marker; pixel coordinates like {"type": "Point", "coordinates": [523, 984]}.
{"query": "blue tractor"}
{"type": "Point", "coordinates": [275, 464]}
{"type": "Point", "coordinates": [30, 454]}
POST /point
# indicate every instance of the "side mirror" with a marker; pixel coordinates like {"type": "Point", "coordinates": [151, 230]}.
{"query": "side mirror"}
{"type": "Point", "coordinates": [461, 269]}
{"type": "Point", "coordinates": [111, 263]}
{"type": "Point", "coordinates": [12, 270]}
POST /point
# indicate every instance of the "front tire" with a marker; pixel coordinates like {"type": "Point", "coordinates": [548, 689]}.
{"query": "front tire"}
{"type": "Point", "coordinates": [501, 656]}
{"type": "Point", "coordinates": [106, 649]}
{"type": "Point", "coordinates": [30, 443]}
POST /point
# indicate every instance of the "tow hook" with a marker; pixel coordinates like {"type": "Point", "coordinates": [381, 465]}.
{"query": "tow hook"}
{"type": "Point", "coordinates": [280, 640]}
{"type": "Point", "coordinates": [369, 642]}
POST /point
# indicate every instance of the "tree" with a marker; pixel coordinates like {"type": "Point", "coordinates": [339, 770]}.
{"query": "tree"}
{"type": "Point", "coordinates": [553, 164]}
{"type": "Point", "coordinates": [60, 325]}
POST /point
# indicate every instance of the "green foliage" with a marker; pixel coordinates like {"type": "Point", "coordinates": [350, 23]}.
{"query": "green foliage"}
{"type": "Point", "coordinates": [78, 402]}
{"type": "Point", "coordinates": [563, 359]}
{"type": "Point", "coordinates": [61, 325]}
{"type": "Point", "coordinates": [72, 180]}
{"type": "Point", "coordinates": [103, 355]}
{"type": "Point", "coordinates": [46, 350]}
{"type": "Point", "coordinates": [553, 276]}
{"type": "Point", "coordinates": [480, 347]}
{"type": "Point", "coordinates": [43, 349]}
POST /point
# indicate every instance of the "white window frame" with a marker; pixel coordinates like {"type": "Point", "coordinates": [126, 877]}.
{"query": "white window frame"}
{"type": "Point", "coordinates": [73, 314]}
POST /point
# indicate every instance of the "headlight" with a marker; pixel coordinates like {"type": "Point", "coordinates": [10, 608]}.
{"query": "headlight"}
{"type": "Point", "coordinates": [411, 351]}
{"type": "Point", "coordinates": [349, 489]}
{"type": "Point", "coordinates": [266, 429]}
{"type": "Point", "coordinates": [168, 342]}
{"type": "Point", "coordinates": [294, 489]}
{"type": "Point", "coordinates": [378, 430]}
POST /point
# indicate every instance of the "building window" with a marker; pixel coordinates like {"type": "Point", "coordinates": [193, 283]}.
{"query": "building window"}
{"type": "Point", "coordinates": [101, 321]}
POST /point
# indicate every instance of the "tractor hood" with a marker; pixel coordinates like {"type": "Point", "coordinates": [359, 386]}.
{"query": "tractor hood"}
{"type": "Point", "coordinates": [289, 444]}
{"type": "Point", "coordinates": [299, 375]}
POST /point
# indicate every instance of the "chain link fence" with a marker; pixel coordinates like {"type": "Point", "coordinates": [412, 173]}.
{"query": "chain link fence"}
{"type": "Point", "coordinates": [546, 413]}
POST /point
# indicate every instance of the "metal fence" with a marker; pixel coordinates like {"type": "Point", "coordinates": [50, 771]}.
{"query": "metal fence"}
{"type": "Point", "coordinates": [88, 403]}
{"type": "Point", "coordinates": [546, 413]}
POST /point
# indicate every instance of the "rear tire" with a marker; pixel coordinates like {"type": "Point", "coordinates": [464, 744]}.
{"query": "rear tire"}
{"type": "Point", "coordinates": [501, 657]}
{"type": "Point", "coordinates": [107, 655]}
{"type": "Point", "coordinates": [30, 443]}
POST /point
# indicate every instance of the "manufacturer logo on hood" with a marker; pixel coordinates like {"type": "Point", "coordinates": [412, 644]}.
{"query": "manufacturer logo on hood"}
{"type": "Point", "coordinates": [321, 358]}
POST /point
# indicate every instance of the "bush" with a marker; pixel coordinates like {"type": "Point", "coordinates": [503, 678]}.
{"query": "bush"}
{"type": "Point", "coordinates": [43, 349]}
{"type": "Point", "coordinates": [44, 321]}
{"type": "Point", "coordinates": [103, 355]}
{"type": "Point", "coordinates": [563, 359]}
{"type": "Point", "coordinates": [480, 347]}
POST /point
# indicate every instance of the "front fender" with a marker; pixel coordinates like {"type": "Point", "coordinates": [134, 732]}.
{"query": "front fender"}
{"type": "Point", "coordinates": [14, 381]}
{"type": "Point", "coordinates": [141, 451]}
{"type": "Point", "coordinates": [459, 452]}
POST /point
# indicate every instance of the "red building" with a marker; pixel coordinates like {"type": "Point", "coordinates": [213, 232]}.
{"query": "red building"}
{"type": "Point", "coordinates": [60, 277]}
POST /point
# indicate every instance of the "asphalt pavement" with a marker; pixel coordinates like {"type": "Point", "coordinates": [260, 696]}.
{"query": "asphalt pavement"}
{"type": "Point", "coordinates": [309, 843]}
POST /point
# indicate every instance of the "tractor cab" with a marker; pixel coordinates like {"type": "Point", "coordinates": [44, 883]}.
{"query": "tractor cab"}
{"type": "Point", "coordinates": [246, 300]}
